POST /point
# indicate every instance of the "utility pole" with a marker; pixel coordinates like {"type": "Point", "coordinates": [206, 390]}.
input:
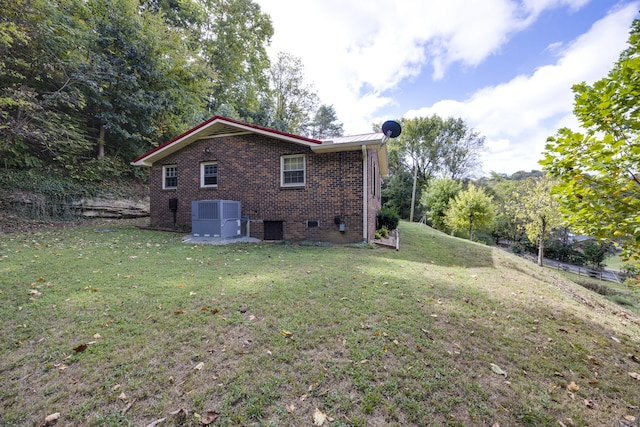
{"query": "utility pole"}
{"type": "Point", "coordinates": [413, 193]}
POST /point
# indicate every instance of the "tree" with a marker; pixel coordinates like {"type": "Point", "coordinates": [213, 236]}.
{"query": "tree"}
{"type": "Point", "coordinates": [537, 209]}
{"type": "Point", "coordinates": [38, 45]}
{"type": "Point", "coordinates": [234, 35]}
{"type": "Point", "coordinates": [325, 123]}
{"type": "Point", "coordinates": [137, 76]}
{"type": "Point", "coordinates": [431, 146]}
{"type": "Point", "coordinates": [293, 99]}
{"type": "Point", "coordinates": [598, 171]}
{"type": "Point", "coordinates": [462, 147]}
{"type": "Point", "coordinates": [470, 210]}
{"type": "Point", "coordinates": [506, 190]}
{"type": "Point", "coordinates": [112, 78]}
{"type": "Point", "coordinates": [594, 254]}
{"type": "Point", "coordinates": [437, 198]}
{"type": "Point", "coordinates": [396, 191]}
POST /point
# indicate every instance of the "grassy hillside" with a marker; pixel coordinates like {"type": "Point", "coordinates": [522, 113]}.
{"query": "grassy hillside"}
{"type": "Point", "coordinates": [126, 327]}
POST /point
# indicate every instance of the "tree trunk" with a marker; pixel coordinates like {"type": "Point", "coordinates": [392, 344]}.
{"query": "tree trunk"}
{"type": "Point", "coordinates": [101, 142]}
{"type": "Point", "coordinates": [541, 252]}
{"type": "Point", "coordinates": [413, 192]}
{"type": "Point", "coordinates": [543, 231]}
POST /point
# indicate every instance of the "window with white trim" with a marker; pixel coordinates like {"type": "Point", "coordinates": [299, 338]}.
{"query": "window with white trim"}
{"type": "Point", "coordinates": [209, 174]}
{"type": "Point", "coordinates": [169, 177]}
{"type": "Point", "coordinates": [292, 170]}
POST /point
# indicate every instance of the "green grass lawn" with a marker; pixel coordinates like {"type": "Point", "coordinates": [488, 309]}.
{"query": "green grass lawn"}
{"type": "Point", "coordinates": [128, 327]}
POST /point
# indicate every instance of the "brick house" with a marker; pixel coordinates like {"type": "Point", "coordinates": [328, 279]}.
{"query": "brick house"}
{"type": "Point", "coordinates": [289, 187]}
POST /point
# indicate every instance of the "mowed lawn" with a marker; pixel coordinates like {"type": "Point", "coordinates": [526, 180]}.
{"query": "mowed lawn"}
{"type": "Point", "coordinates": [108, 325]}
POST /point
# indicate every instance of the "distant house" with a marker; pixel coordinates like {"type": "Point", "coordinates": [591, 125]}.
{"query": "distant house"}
{"type": "Point", "coordinates": [290, 187]}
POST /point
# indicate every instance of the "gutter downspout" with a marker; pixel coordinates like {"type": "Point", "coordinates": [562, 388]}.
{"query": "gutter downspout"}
{"type": "Point", "coordinates": [365, 189]}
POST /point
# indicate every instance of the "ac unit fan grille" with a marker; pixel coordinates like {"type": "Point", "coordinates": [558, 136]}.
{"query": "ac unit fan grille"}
{"type": "Point", "coordinates": [208, 210]}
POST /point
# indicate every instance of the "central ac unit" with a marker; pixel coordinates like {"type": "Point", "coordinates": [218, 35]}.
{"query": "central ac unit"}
{"type": "Point", "coordinates": [215, 218]}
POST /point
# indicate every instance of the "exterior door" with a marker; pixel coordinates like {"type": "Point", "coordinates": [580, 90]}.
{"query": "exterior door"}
{"type": "Point", "coordinates": [273, 230]}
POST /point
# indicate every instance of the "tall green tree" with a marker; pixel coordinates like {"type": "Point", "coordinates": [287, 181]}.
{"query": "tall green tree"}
{"type": "Point", "coordinates": [38, 54]}
{"type": "Point", "coordinates": [112, 78]}
{"type": "Point", "coordinates": [437, 198]}
{"type": "Point", "coordinates": [470, 210]}
{"type": "Point", "coordinates": [294, 100]}
{"type": "Point", "coordinates": [234, 37]}
{"type": "Point", "coordinates": [137, 77]}
{"type": "Point", "coordinates": [396, 191]}
{"type": "Point", "coordinates": [598, 170]}
{"type": "Point", "coordinates": [461, 149]}
{"type": "Point", "coordinates": [431, 147]}
{"type": "Point", "coordinates": [325, 123]}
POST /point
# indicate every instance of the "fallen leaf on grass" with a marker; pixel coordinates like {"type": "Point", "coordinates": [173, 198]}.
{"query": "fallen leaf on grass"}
{"type": "Point", "coordinates": [634, 375]}
{"type": "Point", "coordinates": [286, 334]}
{"type": "Point", "coordinates": [199, 366]}
{"type": "Point", "coordinates": [156, 422]}
{"type": "Point", "coordinates": [319, 417]}
{"type": "Point", "coordinates": [35, 292]}
{"type": "Point", "coordinates": [210, 417]}
{"type": "Point", "coordinates": [52, 418]}
{"type": "Point", "coordinates": [122, 396]}
{"type": "Point", "coordinates": [498, 370]}
{"type": "Point", "coordinates": [97, 336]}
{"type": "Point", "coordinates": [290, 408]}
{"type": "Point", "coordinates": [572, 386]}
{"type": "Point", "coordinates": [80, 348]}
{"type": "Point", "coordinates": [126, 408]}
{"type": "Point", "coordinates": [178, 312]}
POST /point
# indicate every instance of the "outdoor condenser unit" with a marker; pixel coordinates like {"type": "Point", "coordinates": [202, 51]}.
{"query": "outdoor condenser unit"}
{"type": "Point", "coordinates": [215, 218]}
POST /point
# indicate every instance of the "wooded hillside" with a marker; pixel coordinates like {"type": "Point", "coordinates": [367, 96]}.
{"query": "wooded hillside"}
{"type": "Point", "coordinates": [86, 86]}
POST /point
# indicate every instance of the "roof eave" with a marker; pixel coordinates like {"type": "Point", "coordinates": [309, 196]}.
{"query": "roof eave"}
{"type": "Point", "coordinates": [201, 132]}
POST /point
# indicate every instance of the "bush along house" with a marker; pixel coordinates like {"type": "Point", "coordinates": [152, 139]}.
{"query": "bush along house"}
{"type": "Point", "coordinates": [280, 186]}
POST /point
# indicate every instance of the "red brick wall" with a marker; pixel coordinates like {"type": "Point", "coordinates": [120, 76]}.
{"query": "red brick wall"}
{"type": "Point", "coordinates": [249, 171]}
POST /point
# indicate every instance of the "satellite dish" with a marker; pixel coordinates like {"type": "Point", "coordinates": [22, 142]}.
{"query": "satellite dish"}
{"type": "Point", "coordinates": [390, 129]}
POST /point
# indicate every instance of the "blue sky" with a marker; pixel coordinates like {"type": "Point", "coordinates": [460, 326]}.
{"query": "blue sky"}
{"type": "Point", "coordinates": [504, 66]}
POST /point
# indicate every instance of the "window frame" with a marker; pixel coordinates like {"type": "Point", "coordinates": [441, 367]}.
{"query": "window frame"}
{"type": "Point", "coordinates": [283, 171]}
{"type": "Point", "coordinates": [203, 176]}
{"type": "Point", "coordinates": [165, 176]}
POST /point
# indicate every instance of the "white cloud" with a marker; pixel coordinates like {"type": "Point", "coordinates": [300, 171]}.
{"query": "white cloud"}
{"type": "Point", "coordinates": [517, 116]}
{"type": "Point", "coordinates": [356, 52]}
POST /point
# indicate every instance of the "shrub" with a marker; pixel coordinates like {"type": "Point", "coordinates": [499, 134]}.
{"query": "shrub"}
{"type": "Point", "coordinates": [382, 233]}
{"type": "Point", "coordinates": [389, 218]}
